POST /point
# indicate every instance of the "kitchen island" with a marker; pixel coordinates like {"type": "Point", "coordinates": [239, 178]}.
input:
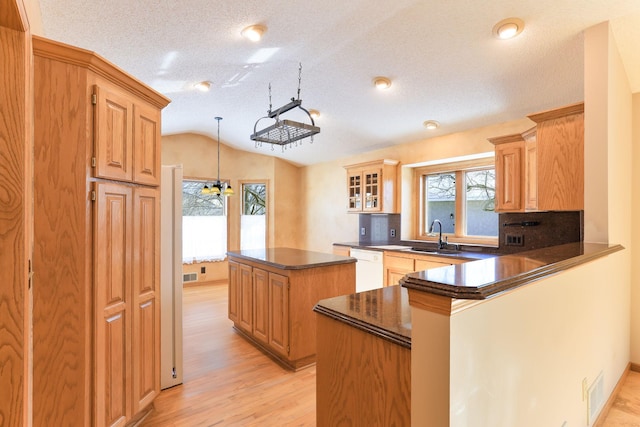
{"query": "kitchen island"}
{"type": "Point", "coordinates": [272, 293]}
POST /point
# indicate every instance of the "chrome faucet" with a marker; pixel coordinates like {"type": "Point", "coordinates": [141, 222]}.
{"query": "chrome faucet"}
{"type": "Point", "coordinates": [441, 243]}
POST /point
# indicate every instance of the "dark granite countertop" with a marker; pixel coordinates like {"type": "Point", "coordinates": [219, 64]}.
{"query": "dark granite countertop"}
{"type": "Point", "coordinates": [486, 278]}
{"type": "Point", "coordinates": [467, 253]}
{"type": "Point", "coordinates": [386, 312]}
{"type": "Point", "coordinates": [382, 312]}
{"type": "Point", "coordinates": [290, 259]}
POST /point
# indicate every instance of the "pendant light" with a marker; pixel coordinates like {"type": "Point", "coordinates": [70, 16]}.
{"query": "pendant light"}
{"type": "Point", "coordinates": [218, 187]}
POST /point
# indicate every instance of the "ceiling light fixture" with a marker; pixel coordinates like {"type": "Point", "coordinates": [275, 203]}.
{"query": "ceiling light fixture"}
{"type": "Point", "coordinates": [253, 32]}
{"type": "Point", "coordinates": [382, 83]}
{"type": "Point", "coordinates": [315, 114]}
{"type": "Point", "coordinates": [284, 132]}
{"type": "Point", "coordinates": [218, 187]}
{"type": "Point", "coordinates": [431, 124]}
{"type": "Point", "coordinates": [203, 86]}
{"type": "Point", "coordinates": [508, 28]}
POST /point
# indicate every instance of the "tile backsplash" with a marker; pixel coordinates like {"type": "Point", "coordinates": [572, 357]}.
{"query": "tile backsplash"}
{"type": "Point", "coordinates": [532, 230]}
{"type": "Point", "coordinates": [379, 229]}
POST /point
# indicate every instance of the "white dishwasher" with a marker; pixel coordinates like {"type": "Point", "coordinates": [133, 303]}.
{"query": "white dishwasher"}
{"type": "Point", "coordinates": [369, 271]}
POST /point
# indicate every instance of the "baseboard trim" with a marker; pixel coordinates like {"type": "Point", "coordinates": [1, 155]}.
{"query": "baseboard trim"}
{"type": "Point", "coordinates": [605, 411]}
{"type": "Point", "coordinates": [205, 283]}
{"type": "Point", "coordinates": [635, 367]}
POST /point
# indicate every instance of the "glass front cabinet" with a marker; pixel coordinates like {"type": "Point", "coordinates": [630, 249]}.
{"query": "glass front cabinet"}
{"type": "Point", "coordinates": [371, 186]}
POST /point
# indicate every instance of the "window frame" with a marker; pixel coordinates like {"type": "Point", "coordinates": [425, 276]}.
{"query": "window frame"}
{"type": "Point", "coordinates": [459, 169]}
{"type": "Point", "coordinates": [267, 215]}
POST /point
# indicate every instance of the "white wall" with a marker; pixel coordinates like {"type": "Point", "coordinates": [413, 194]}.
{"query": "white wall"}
{"type": "Point", "coordinates": [519, 360]}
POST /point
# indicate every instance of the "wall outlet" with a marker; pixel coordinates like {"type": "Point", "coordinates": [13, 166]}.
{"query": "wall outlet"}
{"type": "Point", "coordinates": [393, 232]}
{"type": "Point", "coordinates": [514, 240]}
{"type": "Point", "coordinates": [363, 231]}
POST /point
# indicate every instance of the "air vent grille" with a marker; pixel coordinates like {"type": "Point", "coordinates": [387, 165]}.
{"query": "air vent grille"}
{"type": "Point", "coordinates": [189, 277]}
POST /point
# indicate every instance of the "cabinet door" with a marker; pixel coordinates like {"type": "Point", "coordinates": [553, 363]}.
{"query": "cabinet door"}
{"type": "Point", "coordinates": [246, 299]}
{"type": "Point", "coordinates": [279, 313]}
{"type": "Point", "coordinates": [354, 189]}
{"type": "Point", "coordinates": [393, 276]}
{"type": "Point", "coordinates": [113, 128]}
{"type": "Point", "coordinates": [112, 289]}
{"type": "Point", "coordinates": [146, 145]}
{"type": "Point", "coordinates": [372, 190]}
{"type": "Point", "coordinates": [146, 297]}
{"type": "Point", "coordinates": [531, 172]}
{"type": "Point", "coordinates": [234, 291]}
{"type": "Point", "coordinates": [261, 305]}
{"type": "Point", "coordinates": [509, 177]}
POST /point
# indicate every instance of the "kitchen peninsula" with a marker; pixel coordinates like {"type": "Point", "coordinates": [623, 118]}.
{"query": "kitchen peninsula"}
{"type": "Point", "coordinates": [451, 309]}
{"type": "Point", "coordinates": [272, 293]}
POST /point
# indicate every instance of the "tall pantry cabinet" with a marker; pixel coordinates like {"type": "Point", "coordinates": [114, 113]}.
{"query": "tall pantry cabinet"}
{"type": "Point", "coordinates": [96, 301]}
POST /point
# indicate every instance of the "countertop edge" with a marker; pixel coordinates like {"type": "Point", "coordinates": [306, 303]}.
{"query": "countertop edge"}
{"type": "Point", "coordinates": [493, 289]}
{"type": "Point", "coordinates": [288, 266]}
{"type": "Point", "coordinates": [380, 332]}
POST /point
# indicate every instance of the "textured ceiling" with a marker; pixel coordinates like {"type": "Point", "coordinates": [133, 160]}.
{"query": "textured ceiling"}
{"type": "Point", "coordinates": [443, 60]}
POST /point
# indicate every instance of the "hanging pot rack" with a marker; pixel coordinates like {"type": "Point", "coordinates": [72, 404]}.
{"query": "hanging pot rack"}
{"type": "Point", "coordinates": [284, 132]}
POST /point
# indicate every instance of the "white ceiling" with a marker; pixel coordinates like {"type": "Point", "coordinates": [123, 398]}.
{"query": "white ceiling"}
{"type": "Point", "coordinates": [443, 60]}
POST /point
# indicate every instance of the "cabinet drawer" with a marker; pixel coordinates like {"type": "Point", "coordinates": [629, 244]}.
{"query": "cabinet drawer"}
{"type": "Point", "coordinates": [398, 263]}
{"type": "Point", "coordinates": [422, 264]}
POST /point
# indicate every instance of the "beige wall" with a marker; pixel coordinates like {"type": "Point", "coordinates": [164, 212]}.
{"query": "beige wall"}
{"type": "Point", "coordinates": [198, 154]}
{"type": "Point", "coordinates": [635, 235]}
{"type": "Point", "coordinates": [325, 191]}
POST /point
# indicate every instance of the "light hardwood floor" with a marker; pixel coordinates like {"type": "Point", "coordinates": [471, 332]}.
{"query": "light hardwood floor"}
{"type": "Point", "coordinates": [228, 382]}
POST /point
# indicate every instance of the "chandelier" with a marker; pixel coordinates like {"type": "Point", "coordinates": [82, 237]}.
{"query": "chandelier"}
{"type": "Point", "coordinates": [218, 187]}
{"type": "Point", "coordinates": [284, 132]}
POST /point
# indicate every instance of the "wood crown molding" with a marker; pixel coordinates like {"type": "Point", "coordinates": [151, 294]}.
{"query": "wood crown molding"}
{"type": "Point", "coordinates": [557, 113]}
{"type": "Point", "coordinates": [90, 60]}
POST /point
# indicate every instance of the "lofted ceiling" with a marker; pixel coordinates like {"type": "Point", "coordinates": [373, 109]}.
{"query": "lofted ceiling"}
{"type": "Point", "coordinates": [442, 58]}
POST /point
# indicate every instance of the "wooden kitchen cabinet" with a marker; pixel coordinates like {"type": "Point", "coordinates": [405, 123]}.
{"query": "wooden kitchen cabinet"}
{"type": "Point", "coordinates": [96, 303]}
{"type": "Point", "coordinates": [245, 320]}
{"type": "Point", "coordinates": [279, 313]}
{"type": "Point", "coordinates": [127, 136]}
{"type": "Point", "coordinates": [234, 291]}
{"type": "Point", "coordinates": [261, 305]}
{"type": "Point", "coordinates": [372, 187]}
{"type": "Point", "coordinates": [542, 169]}
{"type": "Point", "coordinates": [509, 173]}
{"type": "Point", "coordinates": [560, 158]}
{"type": "Point", "coordinates": [398, 264]}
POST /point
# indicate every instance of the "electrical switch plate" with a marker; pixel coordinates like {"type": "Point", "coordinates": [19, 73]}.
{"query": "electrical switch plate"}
{"type": "Point", "coordinates": [363, 231]}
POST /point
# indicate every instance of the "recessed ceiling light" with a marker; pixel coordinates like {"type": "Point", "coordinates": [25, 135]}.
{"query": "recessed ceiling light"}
{"type": "Point", "coordinates": [382, 83]}
{"type": "Point", "coordinates": [431, 124]}
{"type": "Point", "coordinates": [203, 86]}
{"type": "Point", "coordinates": [508, 28]}
{"type": "Point", "coordinates": [314, 113]}
{"type": "Point", "coordinates": [254, 32]}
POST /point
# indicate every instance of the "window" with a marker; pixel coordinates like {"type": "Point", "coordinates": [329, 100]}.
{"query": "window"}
{"type": "Point", "coordinates": [204, 224]}
{"type": "Point", "coordinates": [462, 197]}
{"type": "Point", "coordinates": [253, 222]}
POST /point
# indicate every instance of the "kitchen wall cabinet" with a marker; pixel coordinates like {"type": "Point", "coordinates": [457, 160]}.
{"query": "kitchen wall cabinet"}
{"type": "Point", "coordinates": [510, 173]}
{"type": "Point", "coordinates": [398, 264]}
{"type": "Point", "coordinates": [372, 187]}
{"type": "Point", "coordinates": [96, 305]}
{"type": "Point", "coordinates": [542, 169]}
{"type": "Point", "coordinates": [280, 302]}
